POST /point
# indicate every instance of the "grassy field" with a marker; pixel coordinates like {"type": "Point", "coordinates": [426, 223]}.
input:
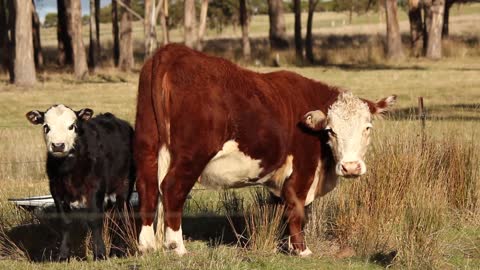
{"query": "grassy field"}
{"type": "Point", "coordinates": [417, 207]}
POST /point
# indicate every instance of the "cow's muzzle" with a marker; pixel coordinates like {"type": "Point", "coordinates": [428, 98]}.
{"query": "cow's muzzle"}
{"type": "Point", "coordinates": [350, 169]}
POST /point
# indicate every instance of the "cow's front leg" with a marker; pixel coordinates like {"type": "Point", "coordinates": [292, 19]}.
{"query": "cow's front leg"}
{"type": "Point", "coordinates": [64, 212]}
{"type": "Point", "coordinates": [95, 223]}
{"type": "Point", "coordinates": [295, 211]}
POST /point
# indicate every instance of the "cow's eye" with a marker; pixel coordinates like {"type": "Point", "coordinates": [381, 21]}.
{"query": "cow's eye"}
{"type": "Point", "coordinates": [368, 128]}
{"type": "Point", "coordinates": [72, 127]}
{"type": "Point", "coordinates": [331, 132]}
{"type": "Point", "coordinates": [46, 129]}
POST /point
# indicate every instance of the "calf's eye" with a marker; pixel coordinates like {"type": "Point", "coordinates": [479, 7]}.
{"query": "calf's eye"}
{"type": "Point", "coordinates": [46, 129]}
{"type": "Point", "coordinates": [72, 127]}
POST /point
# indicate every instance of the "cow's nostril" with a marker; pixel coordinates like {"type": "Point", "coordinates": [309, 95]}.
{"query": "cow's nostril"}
{"type": "Point", "coordinates": [344, 169]}
{"type": "Point", "coordinates": [351, 168]}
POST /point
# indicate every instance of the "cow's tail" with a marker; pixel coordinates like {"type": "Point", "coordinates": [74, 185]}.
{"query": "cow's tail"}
{"type": "Point", "coordinates": [161, 108]}
{"type": "Point", "coordinates": [160, 98]}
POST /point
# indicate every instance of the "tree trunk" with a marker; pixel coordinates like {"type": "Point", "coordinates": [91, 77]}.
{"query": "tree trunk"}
{"type": "Point", "coordinates": [277, 33]}
{"type": "Point", "coordinates": [203, 24]}
{"type": "Point", "coordinates": [416, 26]}
{"type": "Point", "coordinates": [427, 22]}
{"type": "Point", "coordinates": [94, 48]}
{"type": "Point", "coordinates": [126, 41]}
{"type": "Point", "coordinates": [309, 38]}
{"type": "Point", "coordinates": [149, 28]}
{"type": "Point", "coordinates": [80, 67]}
{"type": "Point", "coordinates": [190, 34]}
{"type": "Point", "coordinates": [244, 24]}
{"type": "Point", "coordinates": [163, 22]}
{"type": "Point", "coordinates": [24, 64]}
{"type": "Point", "coordinates": [116, 46]}
{"type": "Point", "coordinates": [65, 52]}
{"type": "Point", "coordinates": [11, 39]}
{"type": "Point", "coordinates": [37, 45]}
{"type": "Point", "coordinates": [434, 46]}
{"type": "Point", "coordinates": [446, 18]}
{"type": "Point", "coordinates": [298, 29]}
{"type": "Point", "coordinates": [394, 40]}
{"type": "Point", "coordinates": [3, 37]}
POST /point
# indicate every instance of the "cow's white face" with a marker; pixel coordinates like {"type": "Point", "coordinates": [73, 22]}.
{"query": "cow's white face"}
{"type": "Point", "coordinates": [348, 124]}
{"type": "Point", "coordinates": [59, 127]}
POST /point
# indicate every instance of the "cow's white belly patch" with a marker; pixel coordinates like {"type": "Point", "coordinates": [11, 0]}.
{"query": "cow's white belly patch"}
{"type": "Point", "coordinates": [230, 167]}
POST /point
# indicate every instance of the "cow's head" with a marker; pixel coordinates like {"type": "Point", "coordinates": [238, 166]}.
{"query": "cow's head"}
{"type": "Point", "coordinates": [59, 127]}
{"type": "Point", "coordinates": [348, 123]}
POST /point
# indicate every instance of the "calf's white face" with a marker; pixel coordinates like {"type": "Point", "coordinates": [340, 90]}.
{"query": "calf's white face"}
{"type": "Point", "coordinates": [59, 127]}
{"type": "Point", "coordinates": [348, 124]}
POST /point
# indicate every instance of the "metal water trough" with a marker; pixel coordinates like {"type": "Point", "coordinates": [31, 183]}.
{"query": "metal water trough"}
{"type": "Point", "coordinates": [42, 202]}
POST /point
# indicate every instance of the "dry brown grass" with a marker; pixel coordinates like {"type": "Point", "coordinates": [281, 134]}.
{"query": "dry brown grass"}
{"type": "Point", "coordinates": [411, 197]}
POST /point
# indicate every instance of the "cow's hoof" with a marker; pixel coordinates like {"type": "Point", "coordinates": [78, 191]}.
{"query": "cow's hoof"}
{"type": "Point", "coordinates": [63, 259]}
{"type": "Point", "coordinates": [305, 253]}
{"type": "Point", "coordinates": [146, 240]}
{"type": "Point", "coordinates": [180, 250]}
{"type": "Point", "coordinates": [99, 257]}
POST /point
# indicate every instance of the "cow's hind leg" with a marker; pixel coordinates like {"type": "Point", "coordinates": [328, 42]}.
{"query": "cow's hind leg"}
{"type": "Point", "coordinates": [147, 188]}
{"type": "Point", "coordinates": [175, 188]}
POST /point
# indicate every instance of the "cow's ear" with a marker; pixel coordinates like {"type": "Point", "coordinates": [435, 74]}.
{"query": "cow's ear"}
{"type": "Point", "coordinates": [381, 106]}
{"type": "Point", "coordinates": [315, 120]}
{"type": "Point", "coordinates": [35, 117]}
{"type": "Point", "coordinates": [85, 114]}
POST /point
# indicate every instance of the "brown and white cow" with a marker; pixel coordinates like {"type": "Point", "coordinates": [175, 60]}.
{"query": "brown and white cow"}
{"type": "Point", "coordinates": [204, 117]}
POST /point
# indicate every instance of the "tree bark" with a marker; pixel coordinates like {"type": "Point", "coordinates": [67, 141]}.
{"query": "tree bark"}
{"type": "Point", "coordinates": [80, 67]}
{"type": "Point", "coordinates": [37, 45]}
{"type": "Point", "coordinates": [244, 24]}
{"type": "Point", "coordinates": [298, 29]}
{"type": "Point", "coordinates": [446, 18]}
{"type": "Point", "coordinates": [149, 28]}
{"type": "Point", "coordinates": [116, 46]}
{"type": "Point", "coordinates": [24, 64]}
{"type": "Point", "coordinates": [394, 40]}
{"type": "Point", "coordinates": [126, 41]}
{"type": "Point", "coordinates": [203, 24]}
{"type": "Point", "coordinates": [277, 33]}
{"type": "Point", "coordinates": [416, 26]}
{"type": "Point", "coordinates": [434, 46]}
{"type": "Point", "coordinates": [427, 23]}
{"type": "Point", "coordinates": [11, 39]}
{"type": "Point", "coordinates": [4, 40]}
{"type": "Point", "coordinates": [65, 51]}
{"type": "Point", "coordinates": [309, 38]}
{"type": "Point", "coordinates": [190, 34]}
{"type": "Point", "coordinates": [163, 22]}
{"type": "Point", "coordinates": [94, 48]}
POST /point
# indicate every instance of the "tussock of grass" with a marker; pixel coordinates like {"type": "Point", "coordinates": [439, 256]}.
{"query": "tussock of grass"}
{"type": "Point", "coordinates": [10, 250]}
{"type": "Point", "coordinates": [264, 222]}
{"type": "Point", "coordinates": [406, 201]}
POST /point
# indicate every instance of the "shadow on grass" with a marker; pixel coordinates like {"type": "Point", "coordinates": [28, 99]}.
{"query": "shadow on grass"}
{"type": "Point", "coordinates": [41, 241]}
{"type": "Point", "coordinates": [325, 45]}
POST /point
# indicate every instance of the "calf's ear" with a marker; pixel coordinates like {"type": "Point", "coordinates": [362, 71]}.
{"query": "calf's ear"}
{"type": "Point", "coordinates": [315, 120]}
{"type": "Point", "coordinates": [35, 117]}
{"type": "Point", "coordinates": [85, 114]}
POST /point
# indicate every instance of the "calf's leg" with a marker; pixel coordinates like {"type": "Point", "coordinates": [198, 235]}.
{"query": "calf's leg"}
{"type": "Point", "coordinates": [95, 222]}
